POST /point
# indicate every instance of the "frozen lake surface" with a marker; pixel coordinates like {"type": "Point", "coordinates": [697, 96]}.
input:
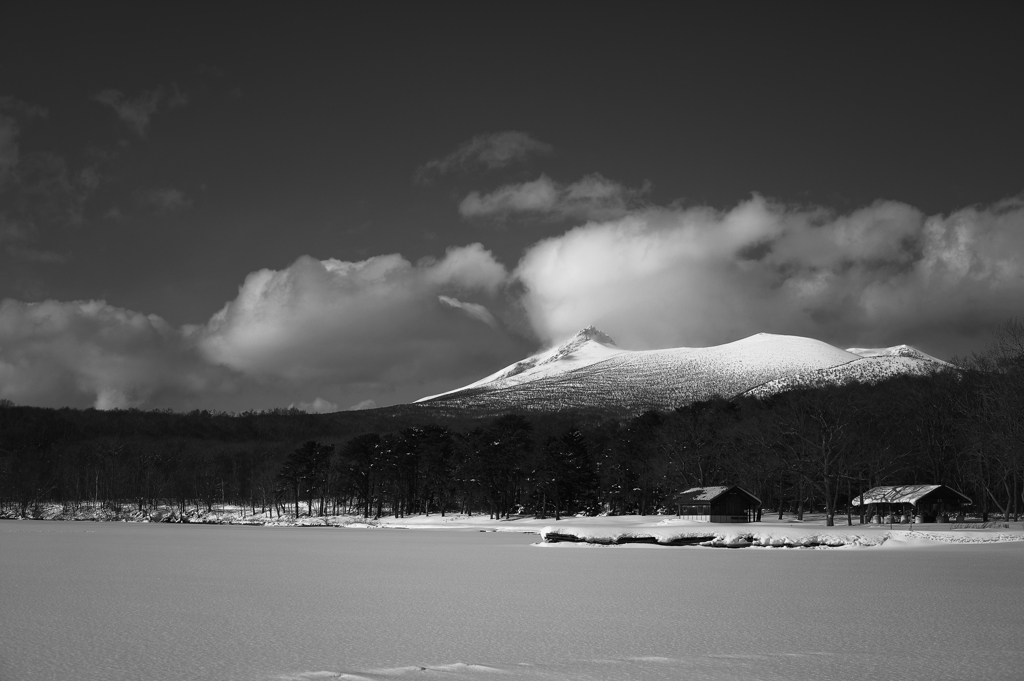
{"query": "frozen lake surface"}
{"type": "Point", "coordinates": [109, 601]}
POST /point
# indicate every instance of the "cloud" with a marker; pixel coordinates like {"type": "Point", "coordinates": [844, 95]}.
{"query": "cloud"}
{"type": "Point", "coordinates": [317, 406]}
{"type": "Point", "coordinates": [884, 274]}
{"type": "Point", "coordinates": [472, 310]}
{"type": "Point", "coordinates": [36, 255]}
{"type": "Point", "coordinates": [389, 329]}
{"type": "Point", "coordinates": [490, 151]}
{"type": "Point", "coordinates": [351, 328]}
{"type": "Point", "coordinates": [46, 192]}
{"type": "Point", "coordinates": [365, 404]}
{"type": "Point", "coordinates": [373, 321]}
{"type": "Point", "coordinates": [12, 231]}
{"type": "Point", "coordinates": [177, 98]}
{"type": "Point", "coordinates": [90, 353]}
{"type": "Point", "coordinates": [39, 197]}
{"type": "Point", "coordinates": [593, 197]}
{"type": "Point", "coordinates": [165, 200]}
{"type": "Point", "coordinates": [8, 146]}
{"type": "Point", "coordinates": [136, 111]}
{"type": "Point", "coordinates": [10, 107]}
{"type": "Point", "coordinates": [39, 193]}
{"type": "Point", "coordinates": [25, 109]}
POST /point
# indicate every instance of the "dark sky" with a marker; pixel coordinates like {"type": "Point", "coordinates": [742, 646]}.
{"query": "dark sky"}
{"type": "Point", "coordinates": [679, 174]}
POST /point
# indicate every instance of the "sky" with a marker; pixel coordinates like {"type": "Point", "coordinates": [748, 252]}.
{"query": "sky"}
{"type": "Point", "coordinates": [330, 207]}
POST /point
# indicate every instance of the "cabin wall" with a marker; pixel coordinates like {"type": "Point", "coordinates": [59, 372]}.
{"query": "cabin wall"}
{"type": "Point", "coordinates": [731, 509]}
{"type": "Point", "coordinates": [731, 518]}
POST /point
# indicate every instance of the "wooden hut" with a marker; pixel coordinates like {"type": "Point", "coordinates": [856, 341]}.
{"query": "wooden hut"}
{"type": "Point", "coordinates": [724, 504]}
{"type": "Point", "coordinates": [933, 503]}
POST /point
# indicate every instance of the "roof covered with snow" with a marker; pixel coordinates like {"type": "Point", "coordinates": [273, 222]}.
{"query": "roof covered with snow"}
{"type": "Point", "coordinates": [702, 493]}
{"type": "Point", "coordinates": [904, 494]}
{"type": "Point", "coordinates": [698, 495]}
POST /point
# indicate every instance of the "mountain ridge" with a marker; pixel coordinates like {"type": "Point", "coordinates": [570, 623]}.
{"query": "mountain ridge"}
{"type": "Point", "coordinates": [587, 346]}
{"type": "Point", "coordinates": [589, 371]}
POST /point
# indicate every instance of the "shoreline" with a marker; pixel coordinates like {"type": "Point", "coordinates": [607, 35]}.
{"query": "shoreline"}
{"type": "Point", "coordinates": [599, 531]}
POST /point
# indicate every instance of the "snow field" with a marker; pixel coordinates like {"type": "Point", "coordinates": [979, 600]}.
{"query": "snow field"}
{"type": "Point", "coordinates": [125, 601]}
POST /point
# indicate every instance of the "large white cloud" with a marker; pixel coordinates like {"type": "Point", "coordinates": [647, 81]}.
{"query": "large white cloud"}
{"type": "Point", "coordinates": [380, 320]}
{"type": "Point", "coordinates": [90, 353]}
{"type": "Point", "coordinates": [883, 274]}
{"type": "Point", "coordinates": [346, 330]}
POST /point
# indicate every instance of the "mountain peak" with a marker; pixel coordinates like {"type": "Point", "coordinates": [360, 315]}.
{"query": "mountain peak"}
{"type": "Point", "coordinates": [580, 340]}
{"type": "Point", "coordinates": [896, 351]}
{"type": "Point", "coordinates": [591, 333]}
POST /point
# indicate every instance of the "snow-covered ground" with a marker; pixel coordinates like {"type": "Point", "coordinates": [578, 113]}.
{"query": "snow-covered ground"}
{"type": "Point", "coordinates": [664, 530]}
{"type": "Point", "coordinates": [166, 602]}
{"type": "Point", "coordinates": [811, 533]}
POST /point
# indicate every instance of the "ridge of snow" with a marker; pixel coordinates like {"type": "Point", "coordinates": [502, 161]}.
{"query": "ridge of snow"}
{"type": "Point", "coordinates": [589, 371]}
{"type": "Point", "coordinates": [764, 534]}
{"type": "Point", "coordinates": [870, 370]}
{"type": "Point", "coordinates": [588, 346]}
{"type": "Point", "coordinates": [897, 351]}
{"type": "Point", "coordinates": [584, 373]}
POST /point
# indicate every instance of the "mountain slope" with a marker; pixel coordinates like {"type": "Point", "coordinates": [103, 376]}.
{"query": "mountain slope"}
{"type": "Point", "coordinates": [590, 372]}
{"type": "Point", "coordinates": [870, 369]}
{"type": "Point", "coordinates": [897, 351]}
{"type": "Point", "coordinates": [587, 347]}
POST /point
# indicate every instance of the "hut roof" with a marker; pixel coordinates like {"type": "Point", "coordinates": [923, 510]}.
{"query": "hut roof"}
{"type": "Point", "coordinates": [902, 494]}
{"type": "Point", "coordinates": [697, 495]}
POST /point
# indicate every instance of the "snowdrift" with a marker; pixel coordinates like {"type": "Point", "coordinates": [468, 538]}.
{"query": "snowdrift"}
{"type": "Point", "coordinates": [670, 532]}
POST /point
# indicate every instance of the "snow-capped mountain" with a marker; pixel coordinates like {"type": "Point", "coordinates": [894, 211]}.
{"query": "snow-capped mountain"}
{"type": "Point", "coordinates": [587, 347]}
{"type": "Point", "coordinates": [589, 371]}
{"type": "Point", "coordinates": [896, 351]}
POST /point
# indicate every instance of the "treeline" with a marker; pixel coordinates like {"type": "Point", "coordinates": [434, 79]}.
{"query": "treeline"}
{"type": "Point", "coordinates": [798, 451]}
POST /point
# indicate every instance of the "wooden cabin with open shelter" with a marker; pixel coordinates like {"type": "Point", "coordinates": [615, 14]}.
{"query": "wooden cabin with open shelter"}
{"type": "Point", "coordinates": [898, 503]}
{"type": "Point", "coordinates": [722, 504]}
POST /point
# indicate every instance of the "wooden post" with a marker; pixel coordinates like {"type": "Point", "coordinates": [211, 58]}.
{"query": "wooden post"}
{"type": "Point", "coordinates": [780, 500]}
{"type": "Point", "coordinates": [849, 500]}
{"type": "Point", "coordinates": [1016, 514]}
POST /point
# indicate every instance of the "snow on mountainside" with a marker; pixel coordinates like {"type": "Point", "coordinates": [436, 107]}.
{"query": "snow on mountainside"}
{"type": "Point", "coordinates": [869, 369]}
{"type": "Point", "coordinates": [589, 371]}
{"type": "Point", "coordinates": [587, 347]}
{"type": "Point", "coordinates": [897, 351]}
